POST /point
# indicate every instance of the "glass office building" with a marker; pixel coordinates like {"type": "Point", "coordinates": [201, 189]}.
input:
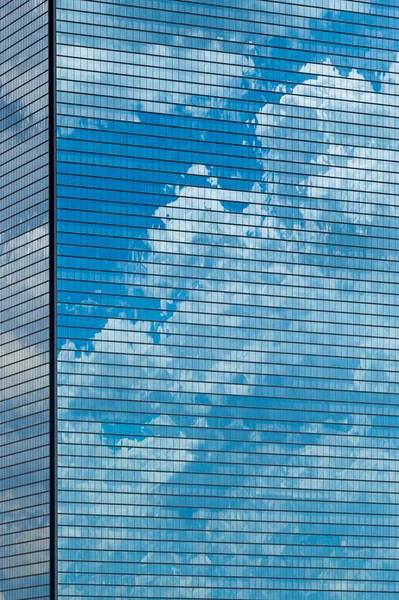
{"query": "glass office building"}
{"type": "Point", "coordinates": [199, 305]}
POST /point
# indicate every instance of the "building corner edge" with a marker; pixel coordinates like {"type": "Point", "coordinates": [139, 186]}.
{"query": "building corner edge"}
{"type": "Point", "coordinates": [52, 115]}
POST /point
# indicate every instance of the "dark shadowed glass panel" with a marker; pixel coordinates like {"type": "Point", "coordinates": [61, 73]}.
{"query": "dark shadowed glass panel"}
{"type": "Point", "coordinates": [228, 310]}
{"type": "Point", "coordinates": [24, 322]}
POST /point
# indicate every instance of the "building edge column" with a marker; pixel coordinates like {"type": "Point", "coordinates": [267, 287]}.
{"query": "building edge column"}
{"type": "Point", "coordinates": [52, 130]}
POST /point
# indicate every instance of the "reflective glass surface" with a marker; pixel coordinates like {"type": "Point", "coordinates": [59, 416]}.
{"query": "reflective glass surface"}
{"type": "Point", "coordinates": [24, 301]}
{"type": "Point", "coordinates": [227, 299]}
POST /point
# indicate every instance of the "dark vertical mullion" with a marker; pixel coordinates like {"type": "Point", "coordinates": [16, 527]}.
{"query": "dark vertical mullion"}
{"type": "Point", "coordinates": [53, 294]}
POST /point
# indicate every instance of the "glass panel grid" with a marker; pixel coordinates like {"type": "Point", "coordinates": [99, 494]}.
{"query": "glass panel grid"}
{"type": "Point", "coordinates": [227, 287]}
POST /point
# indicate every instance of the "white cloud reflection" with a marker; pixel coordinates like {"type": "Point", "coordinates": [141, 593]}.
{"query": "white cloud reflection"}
{"type": "Point", "coordinates": [249, 299]}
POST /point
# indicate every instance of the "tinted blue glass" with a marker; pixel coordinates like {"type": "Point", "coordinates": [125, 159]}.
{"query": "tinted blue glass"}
{"type": "Point", "coordinates": [24, 302]}
{"type": "Point", "coordinates": [227, 299]}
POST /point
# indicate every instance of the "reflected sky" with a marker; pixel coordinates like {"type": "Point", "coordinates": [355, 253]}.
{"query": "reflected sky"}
{"type": "Point", "coordinates": [227, 264]}
{"type": "Point", "coordinates": [24, 302]}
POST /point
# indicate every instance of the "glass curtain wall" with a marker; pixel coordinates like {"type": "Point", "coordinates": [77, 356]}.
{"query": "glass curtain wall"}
{"type": "Point", "coordinates": [24, 301]}
{"type": "Point", "coordinates": [227, 299]}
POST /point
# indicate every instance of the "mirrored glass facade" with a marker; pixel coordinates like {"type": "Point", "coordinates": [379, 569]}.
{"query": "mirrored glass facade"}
{"type": "Point", "coordinates": [228, 269]}
{"type": "Point", "coordinates": [227, 300]}
{"type": "Point", "coordinates": [24, 301]}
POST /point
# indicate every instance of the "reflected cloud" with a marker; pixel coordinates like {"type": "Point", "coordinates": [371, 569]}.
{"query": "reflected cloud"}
{"type": "Point", "coordinates": [247, 414]}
